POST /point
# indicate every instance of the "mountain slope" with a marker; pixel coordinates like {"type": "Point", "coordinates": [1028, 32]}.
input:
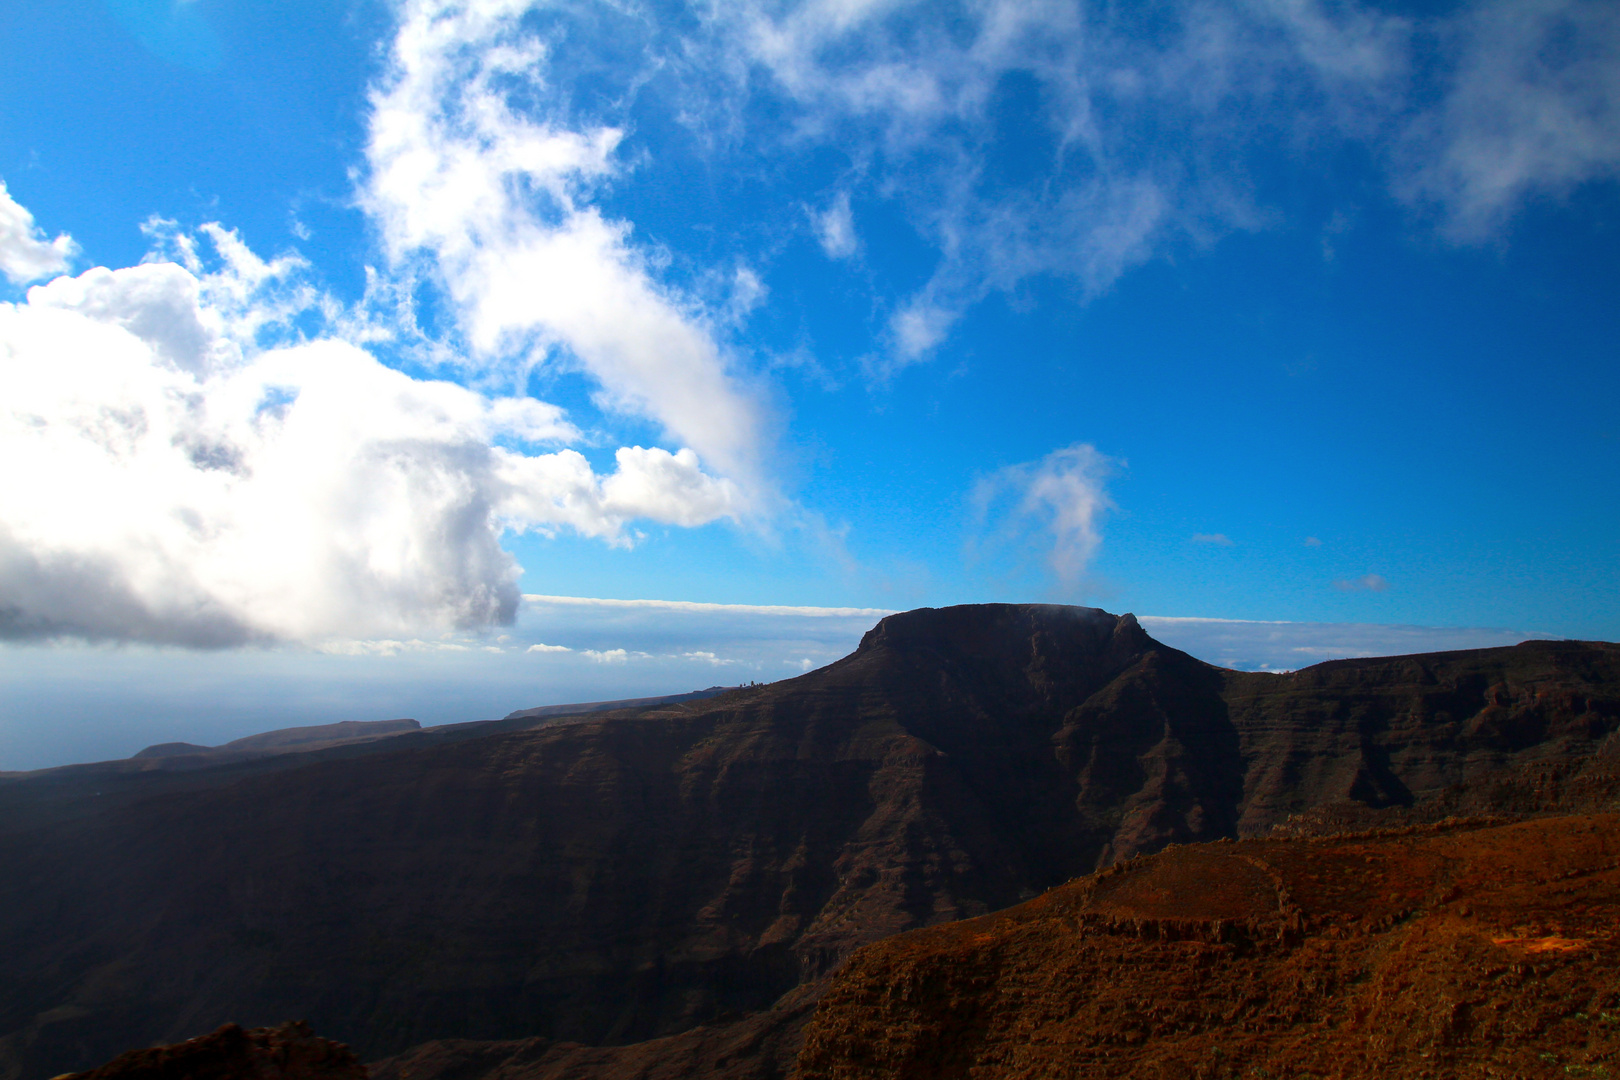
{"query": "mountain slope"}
{"type": "Point", "coordinates": [630, 876]}
{"type": "Point", "coordinates": [1458, 950]}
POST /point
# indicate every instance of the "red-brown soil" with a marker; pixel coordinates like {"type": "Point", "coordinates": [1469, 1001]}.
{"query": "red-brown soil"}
{"type": "Point", "coordinates": [1453, 950]}
{"type": "Point", "coordinates": [288, 1052]}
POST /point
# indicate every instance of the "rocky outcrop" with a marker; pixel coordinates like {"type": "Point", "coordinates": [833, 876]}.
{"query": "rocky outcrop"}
{"type": "Point", "coordinates": [761, 1046]}
{"type": "Point", "coordinates": [636, 875]}
{"type": "Point", "coordinates": [288, 1052]}
{"type": "Point", "coordinates": [1454, 950]}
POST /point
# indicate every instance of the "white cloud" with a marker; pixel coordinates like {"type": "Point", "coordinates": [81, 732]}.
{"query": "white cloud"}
{"type": "Point", "coordinates": [25, 254]}
{"type": "Point", "coordinates": [187, 483]}
{"type": "Point", "coordinates": [1152, 123]}
{"type": "Point", "coordinates": [748, 292]}
{"type": "Point", "coordinates": [696, 607]}
{"type": "Point", "coordinates": [1285, 646]}
{"type": "Point", "coordinates": [915, 96]}
{"type": "Point", "coordinates": [496, 200]}
{"type": "Point", "coordinates": [541, 647]}
{"type": "Point", "coordinates": [678, 632]}
{"type": "Point", "coordinates": [1142, 135]}
{"type": "Point", "coordinates": [388, 647]}
{"type": "Point", "coordinates": [835, 229]}
{"type": "Point", "coordinates": [1533, 107]}
{"type": "Point", "coordinates": [916, 330]}
{"type": "Point", "coordinates": [706, 657]}
{"type": "Point", "coordinates": [1054, 505]}
{"type": "Point", "coordinates": [607, 656]}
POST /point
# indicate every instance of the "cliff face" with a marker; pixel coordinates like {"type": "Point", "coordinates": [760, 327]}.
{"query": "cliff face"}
{"type": "Point", "coordinates": [628, 877]}
{"type": "Point", "coordinates": [1445, 951]}
{"type": "Point", "coordinates": [1389, 733]}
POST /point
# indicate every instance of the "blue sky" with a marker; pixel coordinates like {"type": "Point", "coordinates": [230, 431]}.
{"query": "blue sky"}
{"type": "Point", "coordinates": [332, 331]}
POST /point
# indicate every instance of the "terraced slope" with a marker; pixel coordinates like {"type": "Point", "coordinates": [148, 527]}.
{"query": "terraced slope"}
{"type": "Point", "coordinates": [1442, 951]}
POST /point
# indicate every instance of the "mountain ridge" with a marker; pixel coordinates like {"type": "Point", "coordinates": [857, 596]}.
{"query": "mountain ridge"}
{"type": "Point", "coordinates": [638, 875]}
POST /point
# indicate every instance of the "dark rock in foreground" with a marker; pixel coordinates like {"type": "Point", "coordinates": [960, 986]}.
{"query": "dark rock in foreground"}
{"type": "Point", "coordinates": [288, 1052]}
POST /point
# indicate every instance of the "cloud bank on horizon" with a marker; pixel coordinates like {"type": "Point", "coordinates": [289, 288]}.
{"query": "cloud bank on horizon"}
{"type": "Point", "coordinates": [221, 450]}
{"type": "Point", "coordinates": [560, 649]}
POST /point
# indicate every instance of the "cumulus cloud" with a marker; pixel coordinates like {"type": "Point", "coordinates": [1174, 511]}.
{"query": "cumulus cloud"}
{"type": "Point", "coordinates": [475, 171]}
{"type": "Point", "coordinates": [541, 647]}
{"type": "Point", "coordinates": [189, 483]}
{"type": "Point", "coordinates": [1054, 505]}
{"type": "Point", "coordinates": [25, 254]}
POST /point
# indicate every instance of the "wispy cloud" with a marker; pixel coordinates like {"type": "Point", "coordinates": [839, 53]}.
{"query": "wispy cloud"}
{"type": "Point", "coordinates": [835, 228]}
{"type": "Point", "coordinates": [706, 657]}
{"type": "Point", "coordinates": [1053, 506]}
{"type": "Point", "coordinates": [1532, 106]}
{"type": "Point", "coordinates": [1365, 583]}
{"type": "Point", "coordinates": [1285, 646]}
{"type": "Point", "coordinates": [1145, 127]}
{"type": "Point", "coordinates": [476, 174]}
{"type": "Point", "coordinates": [924, 99]}
{"type": "Point", "coordinates": [1215, 539]}
{"type": "Point", "coordinates": [696, 607]}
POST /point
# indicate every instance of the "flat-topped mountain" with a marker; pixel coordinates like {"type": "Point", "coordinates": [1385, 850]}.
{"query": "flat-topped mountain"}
{"type": "Point", "coordinates": [547, 712]}
{"type": "Point", "coordinates": [285, 739]}
{"type": "Point", "coordinates": [634, 874]}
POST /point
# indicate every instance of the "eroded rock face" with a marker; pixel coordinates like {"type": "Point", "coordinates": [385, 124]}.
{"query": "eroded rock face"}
{"type": "Point", "coordinates": [288, 1052]}
{"type": "Point", "coordinates": [1453, 950]}
{"type": "Point", "coordinates": [629, 877]}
